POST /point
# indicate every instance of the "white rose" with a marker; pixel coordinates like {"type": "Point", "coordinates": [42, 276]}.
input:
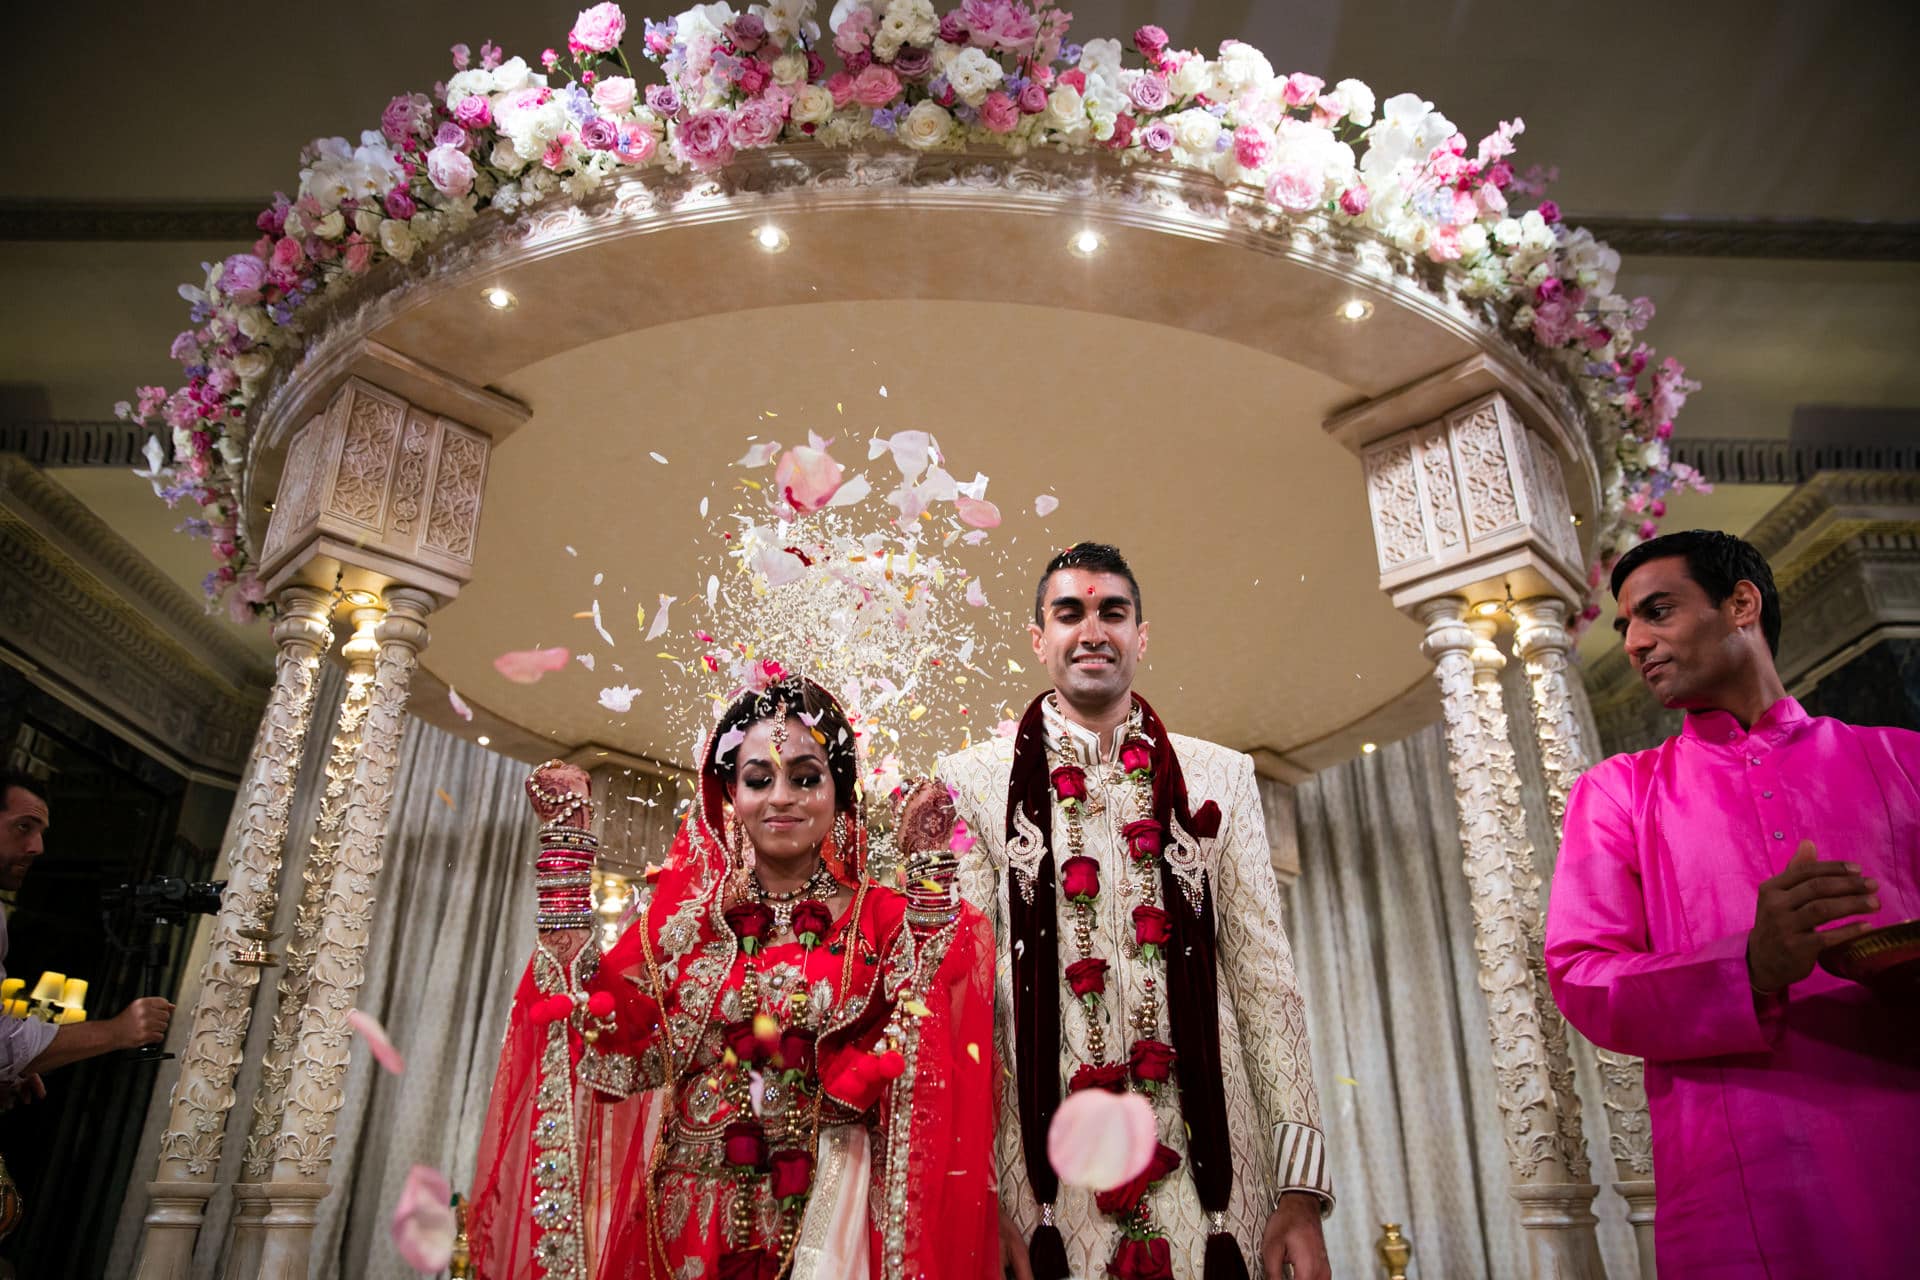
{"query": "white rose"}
{"type": "Point", "coordinates": [1193, 76]}
{"type": "Point", "coordinates": [614, 95]}
{"type": "Point", "coordinates": [1473, 241]}
{"type": "Point", "coordinates": [926, 126]}
{"type": "Point", "coordinates": [367, 223]}
{"type": "Point", "coordinates": [254, 322]}
{"type": "Point", "coordinates": [332, 226]}
{"type": "Point", "coordinates": [397, 239]}
{"type": "Point", "coordinates": [1101, 57]}
{"type": "Point", "coordinates": [917, 19]}
{"type": "Point", "coordinates": [1358, 99]}
{"type": "Point", "coordinates": [251, 364]}
{"type": "Point", "coordinates": [295, 225]}
{"type": "Point", "coordinates": [1065, 108]}
{"type": "Point", "coordinates": [1506, 232]}
{"type": "Point", "coordinates": [789, 68]}
{"type": "Point", "coordinates": [468, 84]}
{"type": "Point", "coordinates": [1196, 131]}
{"type": "Point", "coordinates": [505, 158]}
{"type": "Point", "coordinates": [1242, 69]}
{"type": "Point", "coordinates": [974, 75]}
{"type": "Point", "coordinates": [812, 104]}
{"type": "Point", "coordinates": [510, 75]}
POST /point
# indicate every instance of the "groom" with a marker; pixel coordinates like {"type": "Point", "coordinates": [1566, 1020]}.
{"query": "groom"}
{"type": "Point", "coordinates": [1128, 877]}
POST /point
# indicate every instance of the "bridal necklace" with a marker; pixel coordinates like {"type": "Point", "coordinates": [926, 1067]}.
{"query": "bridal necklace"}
{"type": "Point", "coordinates": [818, 885]}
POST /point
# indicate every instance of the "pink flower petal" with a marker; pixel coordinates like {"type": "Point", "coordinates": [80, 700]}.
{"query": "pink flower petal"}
{"type": "Point", "coordinates": [423, 1226]}
{"type": "Point", "coordinates": [778, 566]}
{"type": "Point", "coordinates": [526, 666]}
{"type": "Point", "coordinates": [1045, 505]}
{"type": "Point", "coordinates": [975, 596]}
{"type": "Point", "coordinates": [977, 512]}
{"type": "Point", "coordinates": [458, 703]}
{"type": "Point", "coordinates": [1098, 1139]}
{"type": "Point", "coordinates": [807, 478]}
{"type": "Point", "coordinates": [760, 454]}
{"type": "Point", "coordinates": [660, 619]}
{"type": "Point", "coordinates": [376, 1037]}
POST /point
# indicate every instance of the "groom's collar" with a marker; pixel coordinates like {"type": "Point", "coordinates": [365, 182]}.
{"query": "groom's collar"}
{"type": "Point", "coordinates": [1079, 744]}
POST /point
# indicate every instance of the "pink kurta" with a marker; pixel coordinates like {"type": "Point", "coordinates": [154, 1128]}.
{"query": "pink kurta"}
{"type": "Point", "coordinates": [1786, 1129]}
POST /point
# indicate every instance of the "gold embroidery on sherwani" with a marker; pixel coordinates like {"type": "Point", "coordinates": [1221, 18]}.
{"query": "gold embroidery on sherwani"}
{"type": "Point", "coordinates": [1268, 1075]}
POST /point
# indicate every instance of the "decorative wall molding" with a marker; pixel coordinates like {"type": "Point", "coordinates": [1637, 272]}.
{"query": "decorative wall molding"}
{"type": "Point", "coordinates": [114, 658]}
{"type": "Point", "coordinates": [1762, 461]}
{"type": "Point", "coordinates": [69, 525]}
{"type": "Point", "coordinates": [1832, 240]}
{"type": "Point", "coordinates": [75, 442]}
{"type": "Point", "coordinates": [44, 220]}
{"type": "Point", "coordinates": [1829, 239]}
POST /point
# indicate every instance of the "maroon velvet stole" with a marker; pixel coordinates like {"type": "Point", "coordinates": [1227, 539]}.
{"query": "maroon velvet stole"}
{"type": "Point", "coordinates": [1193, 1009]}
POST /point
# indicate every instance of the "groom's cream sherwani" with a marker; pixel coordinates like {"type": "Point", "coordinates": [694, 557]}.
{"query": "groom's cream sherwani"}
{"type": "Point", "coordinates": [1271, 1105]}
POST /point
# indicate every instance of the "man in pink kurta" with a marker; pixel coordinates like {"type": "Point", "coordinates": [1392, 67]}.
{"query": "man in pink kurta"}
{"type": "Point", "coordinates": [1687, 913]}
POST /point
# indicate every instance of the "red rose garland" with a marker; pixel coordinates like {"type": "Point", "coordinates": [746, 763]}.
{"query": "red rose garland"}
{"type": "Point", "coordinates": [760, 1041]}
{"type": "Point", "coordinates": [1143, 1253]}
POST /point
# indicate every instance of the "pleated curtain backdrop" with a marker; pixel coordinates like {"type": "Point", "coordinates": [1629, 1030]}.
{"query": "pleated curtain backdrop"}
{"type": "Point", "coordinates": [1382, 931]}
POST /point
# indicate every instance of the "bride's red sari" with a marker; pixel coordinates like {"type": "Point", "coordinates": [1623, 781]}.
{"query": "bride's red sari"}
{"type": "Point", "coordinates": [700, 1102]}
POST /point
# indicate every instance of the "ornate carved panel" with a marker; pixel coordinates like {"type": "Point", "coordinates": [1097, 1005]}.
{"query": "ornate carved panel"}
{"type": "Point", "coordinates": [1443, 497]}
{"type": "Point", "coordinates": [457, 486]}
{"type": "Point", "coordinates": [397, 484]}
{"type": "Point", "coordinates": [1394, 494]}
{"type": "Point", "coordinates": [1486, 480]}
{"type": "Point", "coordinates": [368, 442]}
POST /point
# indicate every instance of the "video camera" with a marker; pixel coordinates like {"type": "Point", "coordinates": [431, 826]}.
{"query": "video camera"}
{"type": "Point", "coordinates": [166, 899]}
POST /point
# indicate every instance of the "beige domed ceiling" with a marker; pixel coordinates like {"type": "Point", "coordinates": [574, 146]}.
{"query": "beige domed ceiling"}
{"type": "Point", "coordinates": [1205, 460]}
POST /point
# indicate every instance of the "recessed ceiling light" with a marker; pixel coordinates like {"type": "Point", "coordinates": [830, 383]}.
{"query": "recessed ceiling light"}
{"type": "Point", "coordinates": [770, 238]}
{"type": "Point", "coordinates": [483, 740]}
{"type": "Point", "coordinates": [1355, 309]}
{"type": "Point", "coordinates": [499, 299]}
{"type": "Point", "coordinates": [1368, 748]}
{"type": "Point", "coordinates": [1487, 608]}
{"type": "Point", "coordinates": [1086, 243]}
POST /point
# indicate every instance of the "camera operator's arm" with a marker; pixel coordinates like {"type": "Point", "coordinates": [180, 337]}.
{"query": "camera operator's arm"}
{"type": "Point", "coordinates": [142, 1022]}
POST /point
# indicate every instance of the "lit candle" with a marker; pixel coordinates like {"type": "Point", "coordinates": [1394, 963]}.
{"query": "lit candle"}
{"type": "Point", "coordinates": [49, 987]}
{"type": "Point", "coordinates": [75, 995]}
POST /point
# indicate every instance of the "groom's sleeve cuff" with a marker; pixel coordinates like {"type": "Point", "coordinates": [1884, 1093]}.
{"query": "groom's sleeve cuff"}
{"type": "Point", "coordinates": [1301, 1162]}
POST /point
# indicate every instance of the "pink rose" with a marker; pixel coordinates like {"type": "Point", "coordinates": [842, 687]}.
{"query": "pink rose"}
{"type": "Point", "coordinates": [399, 204]}
{"type": "Point", "coordinates": [840, 85]}
{"type": "Point", "coordinates": [1295, 187]}
{"type": "Point", "coordinates": [1157, 137]}
{"type": "Point", "coordinates": [705, 140]}
{"type": "Point", "coordinates": [405, 116]}
{"type": "Point", "coordinates": [287, 254]}
{"type": "Point", "coordinates": [614, 95]}
{"type": "Point", "coordinates": [752, 77]}
{"type": "Point", "coordinates": [875, 87]}
{"type": "Point", "coordinates": [999, 112]}
{"type": "Point", "coordinates": [1151, 42]}
{"type": "Point", "coordinates": [359, 255]}
{"type": "Point", "coordinates": [450, 170]}
{"type": "Point", "coordinates": [1302, 89]}
{"type": "Point", "coordinates": [1354, 200]}
{"type": "Point", "coordinates": [1549, 211]}
{"type": "Point", "coordinates": [1149, 93]}
{"type": "Point", "coordinates": [756, 124]}
{"type": "Point", "coordinates": [1033, 99]}
{"type": "Point", "coordinates": [242, 276]}
{"type": "Point", "coordinates": [636, 145]}
{"type": "Point", "coordinates": [599, 29]}
{"type": "Point", "coordinates": [1444, 246]}
{"type": "Point", "coordinates": [1252, 146]}
{"type": "Point", "coordinates": [474, 112]}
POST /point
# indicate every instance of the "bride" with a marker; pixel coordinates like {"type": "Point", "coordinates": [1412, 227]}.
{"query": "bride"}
{"type": "Point", "coordinates": [781, 1068]}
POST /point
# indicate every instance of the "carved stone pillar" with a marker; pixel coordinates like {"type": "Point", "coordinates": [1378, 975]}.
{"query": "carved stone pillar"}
{"type": "Point", "coordinates": [1542, 643]}
{"type": "Point", "coordinates": [303, 1149]}
{"type": "Point", "coordinates": [270, 1097]}
{"type": "Point", "coordinates": [190, 1146]}
{"type": "Point", "coordinates": [1534, 1075]}
{"type": "Point", "coordinates": [1478, 478]}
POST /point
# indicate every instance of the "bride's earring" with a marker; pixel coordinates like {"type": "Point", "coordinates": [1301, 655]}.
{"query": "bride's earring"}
{"type": "Point", "coordinates": [736, 838]}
